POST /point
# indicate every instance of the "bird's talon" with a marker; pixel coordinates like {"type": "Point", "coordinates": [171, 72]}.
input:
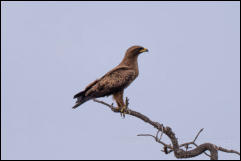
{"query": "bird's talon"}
{"type": "Point", "coordinates": [123, 111]}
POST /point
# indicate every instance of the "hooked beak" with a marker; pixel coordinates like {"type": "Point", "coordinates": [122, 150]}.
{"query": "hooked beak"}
{"type": "Point", "coordinates": [144, 50]}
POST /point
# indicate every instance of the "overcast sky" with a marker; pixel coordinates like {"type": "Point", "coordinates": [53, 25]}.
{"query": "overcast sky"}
{"type": "Point", "coordinates": [189, 79]}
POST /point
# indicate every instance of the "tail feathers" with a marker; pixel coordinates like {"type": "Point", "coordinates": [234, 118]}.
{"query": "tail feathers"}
{"type": "Point", "coordinates": [82, 93]}
{"type": "Point", "coordinates": [81, 98]}
{"type": "Point", "coordinates": [76, 105]}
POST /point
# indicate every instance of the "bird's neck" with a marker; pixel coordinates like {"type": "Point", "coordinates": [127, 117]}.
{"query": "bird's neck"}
{"type": "Point", "coordinates": [130, 62]}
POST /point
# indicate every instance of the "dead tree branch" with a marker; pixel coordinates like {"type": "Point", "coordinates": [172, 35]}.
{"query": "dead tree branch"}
{"type": "Point", "coordinates": [175, 147]}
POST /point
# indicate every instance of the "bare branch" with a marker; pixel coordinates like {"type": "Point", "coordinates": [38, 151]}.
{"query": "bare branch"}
{"type": "Point", "coordinates": [161, 135]}
{"type": "Point", "coordinates": [228, 151]}
{"type": "Point", "coordinates": [157, 135]}
{"type": "Point", "coordinates": [159, 141]}
{"type": "Point", "coordinates": [198, 135]}
{"type": "Point", "coordinates": [175, 147]}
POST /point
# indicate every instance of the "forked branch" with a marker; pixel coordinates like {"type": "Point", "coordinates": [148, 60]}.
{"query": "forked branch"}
{"type": "Point", "coordinates": [178, 150]}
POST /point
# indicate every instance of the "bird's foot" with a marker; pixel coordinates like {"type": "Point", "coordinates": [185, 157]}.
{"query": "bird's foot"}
{"type": "Point", "coordinates": [123, 111]}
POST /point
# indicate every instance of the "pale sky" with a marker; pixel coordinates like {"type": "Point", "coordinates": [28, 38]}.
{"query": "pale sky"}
{"type": "Point", "coordinates": [189, 79]}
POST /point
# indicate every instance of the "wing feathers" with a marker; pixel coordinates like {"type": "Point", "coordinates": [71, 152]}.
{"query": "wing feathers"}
{"type": "Point", "coordinates": [115, 80]}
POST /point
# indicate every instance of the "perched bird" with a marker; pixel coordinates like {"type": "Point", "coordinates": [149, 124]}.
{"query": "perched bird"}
{"type": "Point", "coordinates": [115, 81]}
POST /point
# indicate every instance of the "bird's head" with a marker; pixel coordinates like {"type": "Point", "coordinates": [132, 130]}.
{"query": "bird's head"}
{"type": "Point", "coordinates": [135, 51]}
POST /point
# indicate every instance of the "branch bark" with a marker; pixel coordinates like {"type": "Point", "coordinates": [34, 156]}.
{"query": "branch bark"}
{"type": "Point", "coordinates": [175, 147]}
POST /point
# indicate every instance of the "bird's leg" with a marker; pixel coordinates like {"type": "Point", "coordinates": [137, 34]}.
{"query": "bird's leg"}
{"type": "Point", "coordinates": [124, 109]}
{"type": "Point", "coordinates": [120, 102]}
{"type": "Point", "coordinates": [119, 107]}
{"type": "Point", "coordinates": [127, 102]}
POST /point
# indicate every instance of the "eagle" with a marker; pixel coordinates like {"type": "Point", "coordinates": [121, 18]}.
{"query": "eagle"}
{"type": "Point", "coordinates": [115, 81]}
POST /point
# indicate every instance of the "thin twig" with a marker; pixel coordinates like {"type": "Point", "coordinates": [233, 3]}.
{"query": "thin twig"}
{"type": "Point", "coordinates": [159, 141]}
{"type": "Point", "coordinates": [197, 135]}
{"type": "Point", "coordinates": [161, 134]}
{"type": "Point", "coordinates": [157, 135]}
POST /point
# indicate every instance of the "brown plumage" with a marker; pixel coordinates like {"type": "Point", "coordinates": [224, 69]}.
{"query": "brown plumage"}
{"type": "Point", "coordinates": [115, 81]}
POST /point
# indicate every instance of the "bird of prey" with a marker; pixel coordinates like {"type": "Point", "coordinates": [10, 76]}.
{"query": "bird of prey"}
{"type": "Point", "coordinates": [115, 81]}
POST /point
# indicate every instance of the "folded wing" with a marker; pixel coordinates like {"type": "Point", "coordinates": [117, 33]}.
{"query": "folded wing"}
{"type": "Point", "coordinates": [112, 82]}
